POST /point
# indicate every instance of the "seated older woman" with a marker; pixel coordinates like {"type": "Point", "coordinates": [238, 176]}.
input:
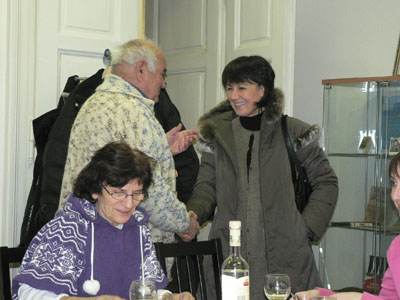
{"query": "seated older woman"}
{"type": "Point", "coordinates": [94, 245]}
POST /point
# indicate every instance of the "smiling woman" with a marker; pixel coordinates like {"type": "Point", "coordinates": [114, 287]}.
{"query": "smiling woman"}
{"type": "Point", "coordinates": [245, 175]}
{"type": "Point", "coordinates": [244, 98]}
{"type": "Point", "coordinates": [116, 205]}
{"type": "Point", "coordinates": [99, 242]}
{"type": "Point", "coordinates": [116, 164]}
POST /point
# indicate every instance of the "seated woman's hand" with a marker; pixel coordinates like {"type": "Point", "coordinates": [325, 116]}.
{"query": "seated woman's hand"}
{"type": "Point", "coordinates": [347, 296]}
{"type": "Point", "coordinates": [306, 295]}
{"type": "Point", "coordinates": [108, 297]}
{"type": "Point", "coordinates": [183, 296]}
{"type": "Point", "coordinates": [102, 297]}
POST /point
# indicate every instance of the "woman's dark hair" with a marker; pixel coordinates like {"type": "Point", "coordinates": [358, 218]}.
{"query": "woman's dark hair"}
{"type": "Point", "coordinates": [115, 164]}
{"type": "Point", "coordinates": [393, 166]}
{"type": "Point", "coordinates": [252, 69]}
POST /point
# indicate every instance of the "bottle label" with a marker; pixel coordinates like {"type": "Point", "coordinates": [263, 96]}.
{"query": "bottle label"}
{"type": "Point", "coordinates": [234, 238]}
{"type": "Point", "coordinates": [235, 288]}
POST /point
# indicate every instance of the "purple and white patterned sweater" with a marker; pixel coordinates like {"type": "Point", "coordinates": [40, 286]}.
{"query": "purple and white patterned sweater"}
{"type": "Point", "coordinates": [58, 258]}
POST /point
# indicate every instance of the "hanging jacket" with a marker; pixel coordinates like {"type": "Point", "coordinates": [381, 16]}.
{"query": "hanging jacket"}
{"type": "Point", "coordinates": [187, 162]}
{"type": "Point", "coordinates": [51, 132]}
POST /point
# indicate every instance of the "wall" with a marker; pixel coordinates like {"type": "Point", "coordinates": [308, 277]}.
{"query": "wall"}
{"type": "Point", "coordinates": [339, 39]}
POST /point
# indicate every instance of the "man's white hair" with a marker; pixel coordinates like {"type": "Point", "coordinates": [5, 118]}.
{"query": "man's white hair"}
{"type": "Point", "coordinates": [135, 50]}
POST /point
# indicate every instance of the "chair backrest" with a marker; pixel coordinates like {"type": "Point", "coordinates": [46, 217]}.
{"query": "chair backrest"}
{"type": "Point", "coordinates": [9, 258]}
{"type": "Point", "coordinates": [196, 251]}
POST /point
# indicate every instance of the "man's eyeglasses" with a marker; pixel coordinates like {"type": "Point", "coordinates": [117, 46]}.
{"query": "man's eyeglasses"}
{"type": "Point", "coordinates": [139, 196]}
{"type": "Point", "coordinates": [164, 75]}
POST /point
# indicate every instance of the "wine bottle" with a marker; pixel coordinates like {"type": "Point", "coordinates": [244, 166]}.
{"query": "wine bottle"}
{"type": "Point", "coordinates": [235, 270]}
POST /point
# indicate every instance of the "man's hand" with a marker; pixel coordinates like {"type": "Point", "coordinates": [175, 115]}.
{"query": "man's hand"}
{"type": "Point", "coordinates": [194, 226]}
{"type": "Point", "coordinates": [179, 140]}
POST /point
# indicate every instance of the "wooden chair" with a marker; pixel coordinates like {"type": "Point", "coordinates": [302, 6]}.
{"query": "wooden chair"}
{"type": "Point", "coordinates": [194, 250]}
{"type": "Point", "coordinates": [9, 258]}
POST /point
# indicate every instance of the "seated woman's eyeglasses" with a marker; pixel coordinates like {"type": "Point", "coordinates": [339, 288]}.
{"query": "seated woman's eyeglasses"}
{"type": "Point", "coordinates": [138, 196]}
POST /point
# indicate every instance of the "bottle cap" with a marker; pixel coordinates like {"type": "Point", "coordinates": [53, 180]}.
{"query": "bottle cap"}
{"type": "Point", "coordinates": [235, 224]}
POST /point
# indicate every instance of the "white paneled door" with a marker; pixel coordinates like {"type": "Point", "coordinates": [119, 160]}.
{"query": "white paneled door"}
{"type": "Point", "coordinates": [189, 33]}
{"type": "Point", "coordinates": [200, 37]}
{"type": "Point", "coordinates": [50, 40]}
{"type": "Point", "coordinates": [255, 27]}
{"type": "Point", "coordinates": [71, 38]}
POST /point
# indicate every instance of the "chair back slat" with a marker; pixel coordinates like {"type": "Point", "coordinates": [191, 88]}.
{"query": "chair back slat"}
{"type": "Point", "coordinates": [217, 261]}
{"type": "Point", "coordinates": [187, 258]}
{"type": "Point", "coordinates": [8, 258]}
{"type": "Point", "coordinates": [178, 275]}
{"type": "Point", "coordinates": [202, 281]}
{"type": "Point", "coordinates": [197, 250]}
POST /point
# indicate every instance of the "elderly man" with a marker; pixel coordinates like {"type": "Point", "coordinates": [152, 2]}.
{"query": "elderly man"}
{"type": "Point", "coordinates": [122, 109]}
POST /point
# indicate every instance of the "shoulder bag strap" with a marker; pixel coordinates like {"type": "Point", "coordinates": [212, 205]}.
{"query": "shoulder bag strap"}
{"type": "Point", "coordinates": [289, 146]}
{"type": "Point", "coordinates": [294, 162]}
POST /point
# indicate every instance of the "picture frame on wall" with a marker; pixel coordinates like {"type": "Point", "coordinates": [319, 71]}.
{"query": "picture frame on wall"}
{"type": "Point", "coordinates": [396, 69]}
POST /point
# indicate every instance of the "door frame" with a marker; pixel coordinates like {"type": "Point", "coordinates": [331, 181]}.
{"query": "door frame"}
{"type": "Point", "coordinates": [17, 144]}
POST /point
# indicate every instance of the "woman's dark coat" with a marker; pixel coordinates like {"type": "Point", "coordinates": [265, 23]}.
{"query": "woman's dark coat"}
{"type": "Point", "coordinates": [287, 232]}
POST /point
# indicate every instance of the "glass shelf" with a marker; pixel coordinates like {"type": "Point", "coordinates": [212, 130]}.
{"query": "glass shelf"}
{"type": "Point", "coordinates": [380, 230]}
{"type": "Point", "coordinates": [390, 155]}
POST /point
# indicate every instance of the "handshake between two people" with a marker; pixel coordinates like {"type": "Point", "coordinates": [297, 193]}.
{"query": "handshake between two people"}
{"type": "Point", "coordinates": [179, 140]}
{"type": "Point", "coordinates": [194, 227]}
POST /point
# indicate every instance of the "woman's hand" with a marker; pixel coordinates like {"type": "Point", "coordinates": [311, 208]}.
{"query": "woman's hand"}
{"type": "Point", "coordinates": [347, 296]}
{"type": "Point", "coordinates": [108, 297]}
{"type": "Point", "coordinates": [102, 297]}
{"type": "Point", "coordinates": [306, 295]}
{"type": "Point", "coordinates": [183, 296]}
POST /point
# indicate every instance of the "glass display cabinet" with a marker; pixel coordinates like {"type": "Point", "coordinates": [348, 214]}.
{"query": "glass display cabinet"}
{"type": "Point", "coordinates": [361, 132]}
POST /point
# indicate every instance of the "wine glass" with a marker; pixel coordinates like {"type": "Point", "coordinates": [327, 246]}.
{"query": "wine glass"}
{"type": "Point", "coordinates": [143, 289]}
{"type": "Point", "coordinates": [277, 286]}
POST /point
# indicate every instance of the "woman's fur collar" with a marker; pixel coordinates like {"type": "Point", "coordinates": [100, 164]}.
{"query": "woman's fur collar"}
{"type": "Point", "coordinates": [312, 134]}
{"type": "Point", "coordinates": [273, 112]}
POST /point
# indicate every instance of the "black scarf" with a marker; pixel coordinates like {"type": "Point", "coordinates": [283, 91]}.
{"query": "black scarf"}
{"type": "Point", "coordinates": [252, 124]}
